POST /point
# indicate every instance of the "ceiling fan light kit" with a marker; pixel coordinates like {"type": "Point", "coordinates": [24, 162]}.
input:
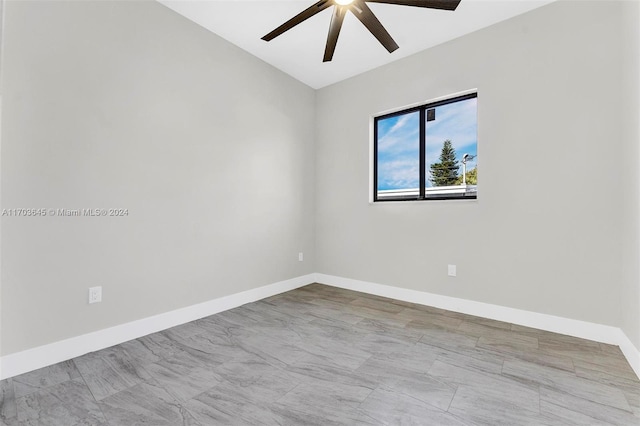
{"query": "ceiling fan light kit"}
{"type": "Point", "coordinates": [361, 11]}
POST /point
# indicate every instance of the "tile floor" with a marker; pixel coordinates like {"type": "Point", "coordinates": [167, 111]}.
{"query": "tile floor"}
{"type": "Point", "coordinates": [321, 355]}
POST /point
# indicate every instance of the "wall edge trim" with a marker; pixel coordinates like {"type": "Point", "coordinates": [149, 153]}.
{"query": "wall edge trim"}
{"type": "Point", "coordinates": [42, 356]}
{"type": "Point", "coordinates": [571, 327]}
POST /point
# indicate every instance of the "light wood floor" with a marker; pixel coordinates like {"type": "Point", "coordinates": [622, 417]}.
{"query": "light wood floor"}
{"type": "Point", "coordinates": [321, 355]}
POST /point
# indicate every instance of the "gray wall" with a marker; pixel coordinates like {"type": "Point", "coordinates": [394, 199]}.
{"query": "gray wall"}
{"type": "Point", "coordinates": [545, 234]}
{"type": "Point", "coordinates": [127, 104]}
{"type": "Point", "coordinates": [630, 306]}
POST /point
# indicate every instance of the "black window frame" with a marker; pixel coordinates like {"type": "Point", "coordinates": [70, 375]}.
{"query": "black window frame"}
{"type": "Point", "coordinates": [422, 152]}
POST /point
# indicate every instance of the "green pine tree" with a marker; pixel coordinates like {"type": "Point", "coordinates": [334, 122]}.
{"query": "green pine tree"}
{"type": "Point", "coordinates": [445, 172]}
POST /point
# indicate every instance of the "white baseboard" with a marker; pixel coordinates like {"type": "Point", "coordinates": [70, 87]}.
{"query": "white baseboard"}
{"type": "Point", "coordinates": [630, 352]}
{"type": "Point", "coordinates": [582, 329]}
{"type": "Point", "coordinates": [43, 356]}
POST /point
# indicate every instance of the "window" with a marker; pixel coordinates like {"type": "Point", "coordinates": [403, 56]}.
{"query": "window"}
{"type": "Point", "coordinates": [427, 152]}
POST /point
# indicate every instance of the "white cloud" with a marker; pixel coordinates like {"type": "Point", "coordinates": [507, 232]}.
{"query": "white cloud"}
{"type": "Point", "coordinates": [399, 174]}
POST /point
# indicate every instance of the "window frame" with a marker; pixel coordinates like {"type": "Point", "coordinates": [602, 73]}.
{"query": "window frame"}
{"type": "Point", "coordinates": [422, 108]}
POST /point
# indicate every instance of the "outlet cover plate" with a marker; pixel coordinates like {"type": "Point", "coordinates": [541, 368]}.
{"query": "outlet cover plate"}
{"type": "Point", "coordinates": [95, 294]}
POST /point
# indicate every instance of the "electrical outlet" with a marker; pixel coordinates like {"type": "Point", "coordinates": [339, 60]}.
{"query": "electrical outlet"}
{"type": "Point", "coordinates": [300, 256]}
{"type": "Point", "coordinates": [451, 270]}
{"type": "Point", "coordinates": [95, 294]}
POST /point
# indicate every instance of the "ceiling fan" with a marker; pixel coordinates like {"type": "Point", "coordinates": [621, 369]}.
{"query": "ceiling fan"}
{"type": "Point", "coordinates": [361, 11]}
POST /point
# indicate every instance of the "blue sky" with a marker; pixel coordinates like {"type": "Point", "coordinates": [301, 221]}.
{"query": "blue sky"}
{"type": "Point", "coordinates": [399, 138]}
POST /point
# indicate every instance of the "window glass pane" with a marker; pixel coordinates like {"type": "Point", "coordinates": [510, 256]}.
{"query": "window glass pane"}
{"type": "Point", "coordinates": [399, 155]}
{"type": "Point", "coordinates": [450, 135]}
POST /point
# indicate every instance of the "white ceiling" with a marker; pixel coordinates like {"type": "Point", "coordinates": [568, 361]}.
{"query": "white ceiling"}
{"type": "Point", "coordinates": [298, 52]}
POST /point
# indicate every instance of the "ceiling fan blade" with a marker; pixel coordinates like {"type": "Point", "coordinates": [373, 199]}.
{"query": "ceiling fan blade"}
{"type": "Point", "coordinates": [366, 16]}
{"type": "Point", "coordinates": [431, 4]}
{"type": "Point", "coordinates": [301, 17]}
{"type": "Point", "coordinates": [334, 32]}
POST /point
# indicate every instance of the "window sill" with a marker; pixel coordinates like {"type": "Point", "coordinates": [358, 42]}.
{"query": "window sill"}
{"type": "Point", "coordinates": [455, 192]}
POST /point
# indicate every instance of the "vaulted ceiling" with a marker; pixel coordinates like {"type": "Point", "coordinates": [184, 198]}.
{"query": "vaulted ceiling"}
{"type": "Point", "coordinates": [299, 51]}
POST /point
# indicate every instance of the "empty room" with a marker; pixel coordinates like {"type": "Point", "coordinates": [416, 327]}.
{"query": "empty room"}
{"type": "Point", "coordinates": [340, 212]}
